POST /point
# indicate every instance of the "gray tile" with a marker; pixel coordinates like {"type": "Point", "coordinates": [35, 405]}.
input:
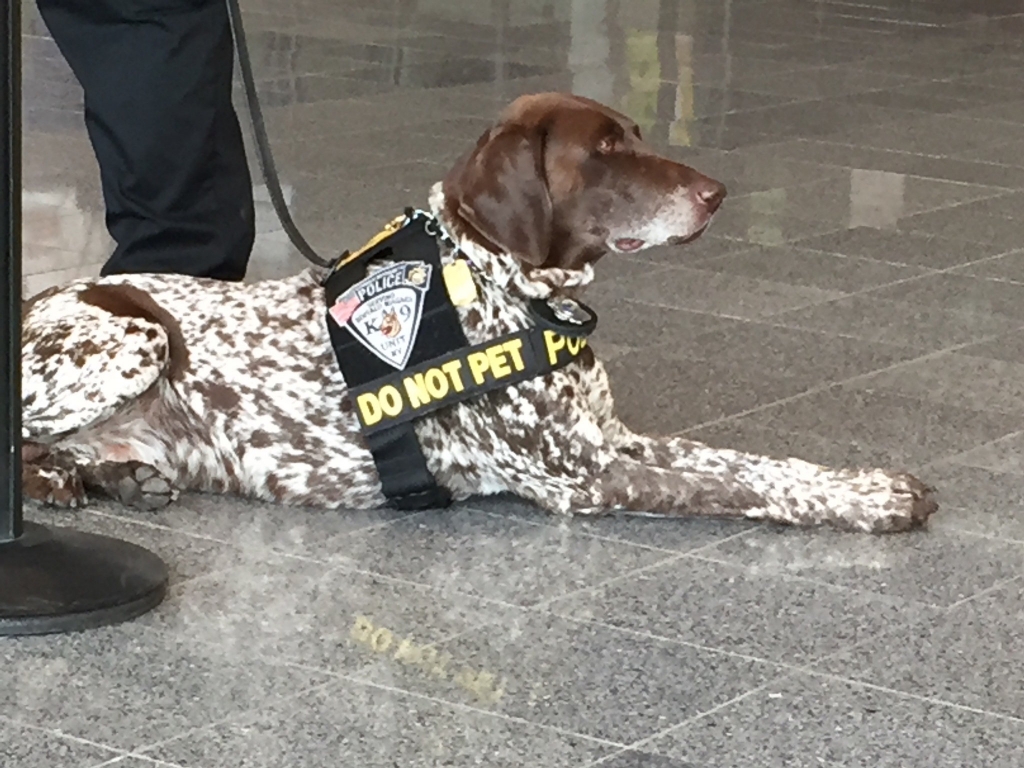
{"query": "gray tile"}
{"type": "Point", "coordinates": [105, 685]}
{"type": "Point", "coordinates": [1009, 267]}
{"type": "Point", "coordinates": [1011, 112]}
{"type": "Point", "coordinates": [259, 529]}
{"type": "Point", "coordinates": [747, 611]}
{"type": "Point", "coordinates": [300, 612]}
{"type": "Point", "coordinates": [630, 324]}
{"type": "Point", "coordinates": [999, 154]}
{"type": "Point", "coordinates": [963, 381]}
{"type": "Point", "coordinates": [744, 172]}
{"type": "Point", "coordinates": [944, 135]}
{"type": "Point", "coordinates": [914, 100]}
{"type": "Point", "coordinates": [613, 274]}
{"type": "Point", "coordinates": [971, 226]}
{"type": "Point", "coordinates": [747, 434]}
{"type": "Point", "coordinates": [708, 246]}
{"type": "Point", "coordinates": [902, 566]}
{"type": "Point", "coordinates": [726, 372]}
{"type": "Point", "coordinates": [796, 266]}
{"type": "Point", "coordinates": [33, 748]}
{"type": "Point", "coordinates": [891, 161]}
{"type": "Point", "coordinates": [806, 722]}
{"type": "Point", "coordinates": [897, 247]}
{"type": "Point", "coordinates": [559, 673]}
{"type": "Point", "coordinates": [1008, 347]}
{"type": "Point", "coordinates": [857, 197]}
{"type": "Point", "coordinates": [501, 559]}
{"type": "Point", "coordinates": [980, 500]}
{"type": "Point", "coordinates": [967, 657]}
{"type": "Point", "coordinates": [770, 228]}
{"type": "Point", "coordinates": [1003, 455]}
{"type": "Point", "coordinates": [817, 83]}
{"type": "Point", "coordinates": [350, 724]}
{"type": "Point", "coordinates": [673, 535]}
{"type": "Point", "coordinates": [917, 326]}
{"type": "Point", "coordinates": [186, 556]}
{"type": "Point", "coordinates": [987, 92]}
{"type": "Point", "coordinates": [632, 758]}
{"type": "Point", "coordinates": [913, 430]}
{"type": "Point", "coordinates": [729, 295]}
{"type": "Point", "coordinates": [1008, 205]}
{"type": "Point", "coordinates": [960, 293]}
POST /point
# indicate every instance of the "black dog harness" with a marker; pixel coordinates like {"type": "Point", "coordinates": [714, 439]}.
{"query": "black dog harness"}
{"type": "Point", "coordinates": [401, 348]}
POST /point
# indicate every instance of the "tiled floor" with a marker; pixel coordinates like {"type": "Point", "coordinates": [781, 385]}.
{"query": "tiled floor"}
{"type": "Point", "coordinates": [860, 299]}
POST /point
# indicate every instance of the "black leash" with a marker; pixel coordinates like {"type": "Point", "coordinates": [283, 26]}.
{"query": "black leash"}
{"type": "Point", "coordinates": [263, 154]}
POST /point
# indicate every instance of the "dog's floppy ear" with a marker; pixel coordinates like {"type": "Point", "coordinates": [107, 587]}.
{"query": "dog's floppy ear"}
{"type": "Point", "coordinates": [500, 189]}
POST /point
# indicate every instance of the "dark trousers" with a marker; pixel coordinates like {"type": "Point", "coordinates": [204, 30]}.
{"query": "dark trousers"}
{"type": "Point", "coordinates": [157, 82]}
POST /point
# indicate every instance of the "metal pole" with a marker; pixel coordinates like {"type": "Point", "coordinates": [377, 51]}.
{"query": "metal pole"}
{"type": "Point", "coordinates": [51, 579]}
{"type": "Point", "coordinates": [10, 281]}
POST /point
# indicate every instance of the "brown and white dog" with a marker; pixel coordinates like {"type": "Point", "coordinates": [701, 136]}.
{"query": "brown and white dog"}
{"type": "Point", "coordinates": [140, 386]}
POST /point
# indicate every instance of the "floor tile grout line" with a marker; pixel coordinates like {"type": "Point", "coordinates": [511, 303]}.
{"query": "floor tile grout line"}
{"type": "Point", "coordinates": [982, 339]}
{"type": "Point", "coordinates": [134, 756]}
{"type": "Point", "coordinates": [845, 295]}
{"type": "Point", "coordinates": [544, 606]}
{"type": "Point", "coordinates": [366, 683]}
{"type": "Point", "coordinates": [824, 387]}
{"type": "Point", "coordinates": [953, 457]}
{"type": "Point", "coordinates": [225, 541]}
{"type": "Point", "coordinates": [59, 734]}
{"type": "Point", "coordinates": [241, 714]}
{"type": "Point", "coordinates": [857, 682]}
{"type": "Point", "coordinates": [884, 150]}
{"type": "Point", "coordinates": [568, 520]}
{"type": "Point", "coordinates": [639, 745]}
{"type": "Point", "coordinates": [176, 588]}
{"type": "Point", "coordinates": [797, 578]}
{"type": "Point", "coordinates": [983, 593]}
{"type": "Point", "coordinates": [929, 271]}
{"type": "Point", "coordinates": [276, 659]}
{"type": "Point", "coordinates": [947, 525]}
{"type": "Point", "coordinates": [913, 278]}
{"type": "Point", "coordinates": [676, 641]}
{"type": "Point", "coordinates": [775, 321]}
{"type": "Point", "coordinates": [490, 601]}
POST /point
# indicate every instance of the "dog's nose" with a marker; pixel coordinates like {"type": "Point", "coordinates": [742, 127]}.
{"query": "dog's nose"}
{"type": "Point", "coordinates": [709, 192]}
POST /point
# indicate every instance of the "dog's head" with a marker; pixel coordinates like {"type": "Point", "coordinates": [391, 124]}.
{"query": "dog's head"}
{"type": "Point", "coordinates": [561, 180]}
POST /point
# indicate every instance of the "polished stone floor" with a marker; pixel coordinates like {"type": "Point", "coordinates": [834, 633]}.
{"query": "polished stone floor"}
{"type": "Point", "coordinates": [860, 299]}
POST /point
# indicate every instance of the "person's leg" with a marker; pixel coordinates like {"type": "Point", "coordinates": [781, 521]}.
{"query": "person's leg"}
{"type": "Point", "coordinates": [157, 82]}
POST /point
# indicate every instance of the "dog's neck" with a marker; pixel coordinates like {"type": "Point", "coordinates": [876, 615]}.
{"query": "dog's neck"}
{"type": "Point", "coordinates": [503, 269]}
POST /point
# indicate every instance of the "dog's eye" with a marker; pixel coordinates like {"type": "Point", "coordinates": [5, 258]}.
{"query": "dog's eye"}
{"type": "Point", "coordinates": [607, 144]}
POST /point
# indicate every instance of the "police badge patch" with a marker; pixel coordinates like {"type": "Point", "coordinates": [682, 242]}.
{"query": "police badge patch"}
{"type": "Point", "coordinates": [383, 311]}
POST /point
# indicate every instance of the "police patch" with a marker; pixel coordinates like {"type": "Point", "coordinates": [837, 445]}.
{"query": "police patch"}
{"type": "Point", "coordinates": [383, 311]}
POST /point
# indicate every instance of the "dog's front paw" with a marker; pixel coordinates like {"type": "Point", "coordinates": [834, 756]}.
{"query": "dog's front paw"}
{"type": "Point", "coordinates": [887, 502]}
{"type": "Point", "coordinates": [54, 486]}
{"type": "Point", "coordinates": [914, 502]}
{"type": "Point", "coordinates": [133, 483]}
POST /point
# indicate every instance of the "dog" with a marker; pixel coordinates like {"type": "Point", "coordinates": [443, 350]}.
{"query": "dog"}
{"type": "Point", "coordinates": [139, 387]}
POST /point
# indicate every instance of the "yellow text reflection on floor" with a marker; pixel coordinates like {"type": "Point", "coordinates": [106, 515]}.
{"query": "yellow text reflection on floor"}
{"type": "Point", "coordinates": [425, 658]}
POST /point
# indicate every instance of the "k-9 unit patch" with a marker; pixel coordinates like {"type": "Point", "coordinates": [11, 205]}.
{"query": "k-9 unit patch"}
{"type": "Point", "coordinates": [383, 311]}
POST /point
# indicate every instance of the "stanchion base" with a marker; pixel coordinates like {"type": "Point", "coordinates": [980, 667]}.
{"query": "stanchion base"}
{"type": "Point", "coordinates": [60, 580]}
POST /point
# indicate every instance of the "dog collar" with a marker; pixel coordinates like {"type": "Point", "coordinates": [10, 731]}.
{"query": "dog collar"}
{"type": "Point", "coordinates": [400, 345]}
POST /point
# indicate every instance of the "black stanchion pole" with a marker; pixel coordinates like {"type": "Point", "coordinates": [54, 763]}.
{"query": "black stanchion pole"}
{"type": "Point", "coordinates": [10, 289]}
{"type": "Point", "coordinates": [51, 579]}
